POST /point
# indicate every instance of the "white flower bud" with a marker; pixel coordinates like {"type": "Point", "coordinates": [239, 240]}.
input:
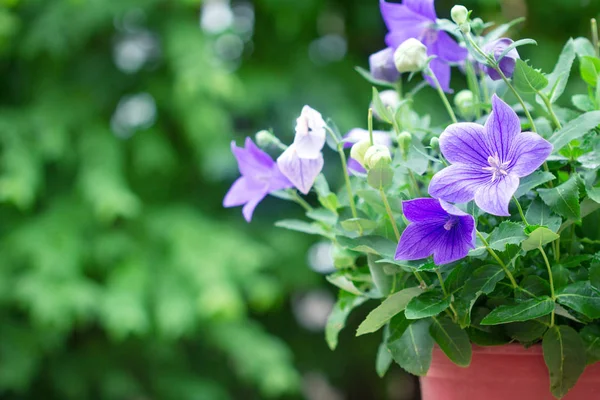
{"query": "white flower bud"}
{"type": "Point", "coordinates": [459, 14]}
{"type": "Point", "coordinates": [376, 154]}
{"type": "Point", "coordinates": [434, 143]}
{"type": "Point", "coordinates": [264, 138]}
{"type": "Point", "coordinates": [465, 102]}
{"type": "Point", "coordinates": [410, 56]}
{"type": "Point", "coordinates": [465, 28]}
{"type": "Point", "coordinates": [359, 150]}
{"type": "Point", "coordinates": [477, 25]}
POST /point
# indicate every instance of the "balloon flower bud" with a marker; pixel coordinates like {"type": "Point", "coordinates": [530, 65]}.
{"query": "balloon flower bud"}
{"type": "Point", "coordinates": [359, 150]}
{"type": "Point", "coordinates": [377, 154]}
{"type": "Point", "coordinates": [477, 25]}
{"type": "Point", "coordinates": [404, 141]}
{"type": "Point", "coordinates": [465, 102]}
{"type": "Point", "coordinates": [459, 14]}
{"type": "Point", "coordinates": [434, 143]}
{"type": "Point", "coordinates": [264, 138]}
{"type": "Point", "coordinates": [465, 28]}
{"type": "Point", "coordinates": [410, 56]}
{"type": "Point", "coordinates": [382, 66]}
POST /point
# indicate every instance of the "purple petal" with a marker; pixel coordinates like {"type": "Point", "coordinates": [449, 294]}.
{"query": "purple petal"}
{"type": "Point", "coordinates": [278, 180]}
{"type": "Point", "coordinates": [529, 151]}
{"type": "Point", "coordinates": [419, 240]}
{"type": "Point", "coordinates": [242, 191]}
{"type": "Point", "coordinates": [423, 7]}
{"type": "Point", "coordinates": [456, 242]}
{"type": "Point", "coordinates": [458, 183]}
{"type": "Point", "coordinates": [252, 161]}
{"type": "Point", "coordinates": [465, 142]}
{"type": "Point", "coordinates": [447, 49]}
{"type": "Point", "coordinates": [402, 23]}
{"type": "Point", "coordinates": [494, 197]}
{"type": "Point", "coordinates": [424, 209]}
{"type": "Point", "coordinates": [507, 64]}
{"type": "Point", "coordinates": [301, 172]}
{"type": "Point", "coordinates": [441, 70]}
{"type": "Point", "coordinates": [310, 134]}
{"type": "Point", "coordinates": [248, 209]}
{"type": "Point", "coordinates": [355, 168]}
{"type": "Point", "coordinates": [501, 128]}
{"type": "Point", "coordinates": [382, 66]}
{"type": "Point", "coordinates": [357, 134]}
{"type": "Point", "coordinates": [452, 210]}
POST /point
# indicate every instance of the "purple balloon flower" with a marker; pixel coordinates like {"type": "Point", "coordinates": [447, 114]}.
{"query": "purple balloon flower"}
{"type": "Point", "coordinates": [260, 176]}
{"type": "Point", "coordinates": [356, 135]}
{"type": "Point", "coordinates": [436, 228]}
{"type": "Point", "coordinates": [487, 161]}
{"type": "Point", "coordinates": [508, 62]}
{"type": "Point", "coordinates": [416, 19]}
{"type": "Point", "coordinates": [382, 66]}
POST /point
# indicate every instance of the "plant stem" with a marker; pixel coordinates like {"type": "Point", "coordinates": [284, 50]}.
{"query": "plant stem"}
{"type": "Point", "coordinates": [521, 211]}
{"type": "Point", "coordinates": [594, 25]}
{"type": "Point", "coordinates": [441, 280]}
{"type": "Point", "coordinates": [551, 279]}
{"type": "Point", "coordinates": [553, 116]}
{"type": "Point", "coordinates": [299, 200]}
{"type": "Point", "coordinates": [512, 88]}
{"type": "Point", "coordinates": [370, 125]}
{"type": "Point", "coordinates": [473, 84]}
{"type": "Point", "coordinates": [388, 209]}
{"type": "Point", "coordinates": [498, 260]}
{"type": "Point", "coordinates": [484, 88]}
{"type": "Point", "coordinates": [348, 184]}
{"type": "Point", "coordinates": [442, 96]}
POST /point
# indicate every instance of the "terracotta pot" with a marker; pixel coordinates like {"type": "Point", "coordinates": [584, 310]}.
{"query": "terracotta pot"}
{"type": "Point", "coordinates": [508, 372]}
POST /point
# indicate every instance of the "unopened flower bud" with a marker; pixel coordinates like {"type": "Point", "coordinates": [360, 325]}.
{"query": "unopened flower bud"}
{"type": "Point", "coordinates": [465, 102]}
{"type": "Point", "coordinates": [264, 138]}
{"type": "Point", "coordinates": [377, 154]}
{"type": "Point", "coordinates": [465, 28]}
{"type": "Point", "coordinates": [404, 141]}
{"type": "Point", "coordinates": [477, 25]}
{"type": "Point", "coordinates": [410, 56]}
{"type": "Point", "coordinates": [390, 99]}
{"type": "Point", "coordinates": [459, 14]}
{"type": "Point", "coordinates": [434, 143]}
{"type": "Point", "coordinates": [382, 66]}
{"type": "Point", "coordinates": [359, 149]}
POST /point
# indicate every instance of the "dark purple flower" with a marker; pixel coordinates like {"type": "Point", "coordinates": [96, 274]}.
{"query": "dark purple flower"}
{"type": "Point", "coordinates": [356, 135]}
{"type": "Point", "coordinates": [507, 64]}
{"type": "Point", "coordinates": [260, 176]}
{"type": "Point", "coordinates": [487, 161]}
{"type": "Point", "coordinates": [382, 66]}
{"type": "Point", "coordinates": [416, 19]}
{"type": "Point", "coordinates": [436, 228]}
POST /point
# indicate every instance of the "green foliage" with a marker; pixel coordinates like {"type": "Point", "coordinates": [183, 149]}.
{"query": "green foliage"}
{"type": "Point", "coordinates": [527, 79]}
{"type": "Point", "coordinates": [453, 340]}
{"type": "Point", "coordinates": [412, 351]}
{"type": "Point", "coordinates": [564, 353]}
{"type": "Point", "coordinates": [391, 306]}
{"type": "Point", "coordinates": [526, 310]}
{"type": "Point", "coordinates": [563, 199]}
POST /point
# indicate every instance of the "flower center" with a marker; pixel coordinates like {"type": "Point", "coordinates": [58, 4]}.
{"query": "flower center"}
{"type": "Point", "coordinates": [497, 168]}
{"type": "Point", "coordinates": [450, 223]}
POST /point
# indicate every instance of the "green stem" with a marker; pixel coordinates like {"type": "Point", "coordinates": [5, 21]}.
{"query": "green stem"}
{"type": "Point", "coordinates": [551, 279]}
{"type": "Point", "coordinates": [474, 87]}
{"type": "Point", "coordinates": [521, 211]}
{"type": "Point", "coordinates": [484, 88]}
{"type": "Point", "coordinates": [370, 124]}
{"type": "Point", "coordinates": [548, 104]}
{"type": "Point", "coordinates": [388, 209]}
{"type": "Point", "coordinates": [442, 95]}
{"type": "Point", "coordinates": [299, 200]}
{"type": "Point", "coordinates": [498, 260]}
{"type": "Point", "coordinates": [512, 88]}
{"type": "Point", "coordinates": [441, 280]}
{"type": "Point", "coordinates": [594, 26]}
{"type": "Point", "coordinates": [414, 182]}
{"type": "Point", "coordinates": [348, 184]}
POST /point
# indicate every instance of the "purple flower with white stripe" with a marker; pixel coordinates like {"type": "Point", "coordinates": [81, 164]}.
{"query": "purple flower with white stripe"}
{"type": "Point", "coordinates": [437, 228]}
{"type": "Point", "coordinates": [417, 19]}
{"type": "Point", "coordinates": [508, 62]}
{"type": "Point", "coordinates": [260, 176]}
{"type": "Point", "coordinates": [488, 161]}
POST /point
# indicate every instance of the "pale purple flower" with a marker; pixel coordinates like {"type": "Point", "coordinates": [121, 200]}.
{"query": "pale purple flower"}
{"type": "Point", "coordinates": [436, 228]}
{"type": "Point", "coordinates": [260, 176]}
{"type": "Point", "coordinates": [487, 161]}
{"type": "Point", "coordinates": [417, 19]}
{"type": "Point", "coordinates": [356, 135]}
{"type": "Point", "coordinates": [382, 66]}
{"type": "Point", "coordinates": [302, 172]}
{"type": "Point", "coordinates": [508, 62]}
{"type": "Point", "coordinates": [310, 134]}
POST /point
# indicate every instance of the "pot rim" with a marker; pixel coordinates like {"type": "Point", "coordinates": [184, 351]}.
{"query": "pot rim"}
{"type": "Point", "coordinates": [515, 349]}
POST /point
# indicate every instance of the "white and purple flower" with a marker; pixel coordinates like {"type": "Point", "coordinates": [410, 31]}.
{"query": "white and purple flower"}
{"type": "Point", "coordinates": [437, 228]}
{"type": "Point", "coordinates": [382, 66]}
{"type": "Point", "coordinates": [260, 176]}
{"type": "Point", "coordinates": [488, 161]}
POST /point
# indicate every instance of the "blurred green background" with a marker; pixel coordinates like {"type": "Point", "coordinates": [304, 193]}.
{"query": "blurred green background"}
{"type": "Point", "coordinates": [121, 276]}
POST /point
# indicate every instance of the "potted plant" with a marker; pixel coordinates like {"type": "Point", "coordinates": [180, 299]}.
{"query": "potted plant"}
{"type": "Point", "coordinates": [476, 242]}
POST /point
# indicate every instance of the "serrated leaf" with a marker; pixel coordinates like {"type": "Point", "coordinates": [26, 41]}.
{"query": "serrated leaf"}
{"type": "Point", "coordinates": [540, 214]}
{"type": "Point", "coordinates": [337, 319]}
{"type": "Point", "coordinates": [506, 233]}
{"type": "Point", "coordinates": [413, 350]}
{"type": "Point", "coordinates": [532, 181]}
{"type": "Point", "coordinates": [527, 79]}
{"type": "Point", "coordinates": [557, 80]}
{"type": "Point", "coordinates": [581, 297]}
{"type": "Point", "coordinates": [386, 310]}
{"type": "Point", "coordinates": [563, 199]}
{"type": "Point", "coordinates": [453, 341]}
{"type": "Point", "coordinates": [371, 244]}
{"type": "Point", "coordinates": [564, 354]}
{"type": "Point", "coordinates": [538, 238]}
{"type": "Point", "coordinates": [426, 305]}
{"type": "Point", "coordinates": [575, 129]}
{"type": "Point", "coordinates": [524, 311]}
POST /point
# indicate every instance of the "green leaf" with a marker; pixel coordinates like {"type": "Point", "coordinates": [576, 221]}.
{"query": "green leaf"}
{"type": "Point", "coordinates": [384, 113]}
{"type": "Point", "coordinates": [381, 176]}
{"type": "Point", "coordinates": [386, 310]}
{"type": "Point", "coordinates": [528, 331]}
{"type": "Point", "coordinates": [563, 199]}
{"type": "Point", "coordinates": [367, 75]}
{"type": "Point", "coordinates": [506, 233]}
{"type": "Point", "coordinates": [581, 297]}
{"type": "Point", "coordinates": [337, 319]}
{"type": "Point", "coordinates": [594, 193]}
{"type": "Point", "coordinates": [524, 311]}
{"type": "Point", "coordinates": [342, 282]}
{"type": "Point", "coordinates": [590, 69]}
{"type": "Point", "coordinates": [564, 354]}
{"type": "Point", "coordinates": [413, 350]}
{"type": "Point", "coordinates": [594, 274]}
{"type": "Point", "coordinates": [383, 281]}
{"type": "Point", "coordinates": [383, 360]}
{"type": "Point", "coordinates": [538, 238]}
{"type": "Point", "coordinates": [575, 129]}
{"type": "Point", "coordinates": [417, 159]}
{"type": "Point", "coordinates": [532, 181]}
{"type": "Point", "coordinates": [426, 305]}
{"type": "Point", "coordinates": [540, 214]}
{"type": "Point", "coordinates": [301, 226]}
{"type": "Point", "coordinates": [583, 102]}
{"type": "Point", "coordinates": [591, 338]}
{"type": "Point", "coordinates": [557, 80]}
{"type": "Point", "coordinates": [560, 275]}
{"type": "Point", "coordinates": [583, 47]}
{"type": "Point", "coordinates": [527, 79]}
{"type": "Point", "coordinates": [358, 224]}
{"type": "Point", "coordinates": [453, 341]}
{"type": "Point", "coordinates": [369, 244]}
{"type": "Point", "coordinates": [322, 215]}
{"type": "Point", "coordinates": [484, 280]}
{"type": "Point", "coordinates": [373, 199]}
{"type": "Point", "coordinates": [514, 45]}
